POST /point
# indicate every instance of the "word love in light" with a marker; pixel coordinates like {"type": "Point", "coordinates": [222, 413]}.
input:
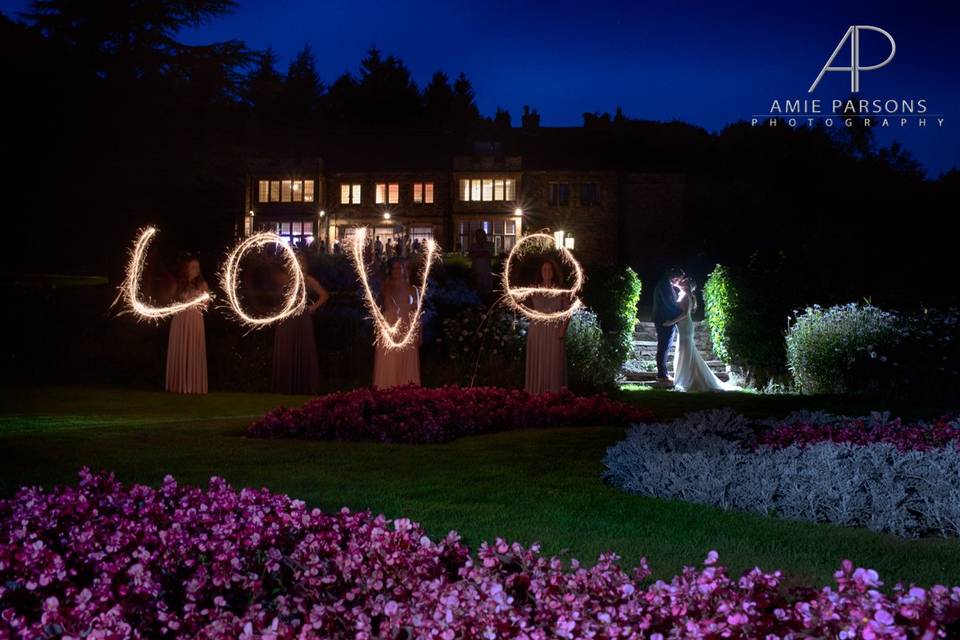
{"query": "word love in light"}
{"type": "Point", "coordinates": [130, 289]}
{"type": "Point", "coordinates": [515, 296]}
{"type": "Point", "coordinates": [390, 336]}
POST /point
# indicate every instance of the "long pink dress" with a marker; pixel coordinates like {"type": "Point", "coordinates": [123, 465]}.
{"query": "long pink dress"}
{"type": "Point", "coordinates": [395, 367]}
{"type": "Point", "coordinates": [187, 350]}
{"type": "Point", "coordinates": [546, 351]}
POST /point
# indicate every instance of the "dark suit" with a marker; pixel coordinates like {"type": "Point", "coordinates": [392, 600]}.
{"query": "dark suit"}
{"type": "Point", "coordinates": [664, 309]}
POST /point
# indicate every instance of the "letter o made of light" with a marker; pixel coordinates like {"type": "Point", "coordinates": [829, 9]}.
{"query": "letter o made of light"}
{"type": "Point", "coordinates": [515, 296]}
{"type": "Point", "coordinates": [130, 289]}
{"type": "Point", "coordinates": [295, 295]}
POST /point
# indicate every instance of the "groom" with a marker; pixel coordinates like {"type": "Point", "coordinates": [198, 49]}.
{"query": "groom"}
{"type": "Point", "coordinates": [664, 309]}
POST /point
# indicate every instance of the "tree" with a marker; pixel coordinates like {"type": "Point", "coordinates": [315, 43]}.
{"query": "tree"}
{"type": "Point", "coordinates": [303, 91]}
{"type": "Point", "coordinates": [123, 39]}
{"type": "Point", "coordinates": [263, 86]}
{"type": "Point", "coordinates": [438, 100]}
{"type": "Point", "coordinates": [465, 111]}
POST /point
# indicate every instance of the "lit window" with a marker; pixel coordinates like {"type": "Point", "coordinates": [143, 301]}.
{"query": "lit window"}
{"type": "Point", "coordinates": [417, 193]}
{"type": "Point", "coordinates": [498, 189]}
{"type": "Point", "coordinates": [274, 191]}
{"type": "Point", "coordinates": [464, 189]}
{"type": "Point", "coordinates": [381, 193]}
{"type": "Point", "coordinates": [308, 190]}
{"type": "Point", "coordinates": [487, 190]}
{"type": "Point", "coordinates": [511, 192]}
{"type": "Point", "coordinates": [286, 190]}
{"type": "Point", "coordinates": [428, 193]}
{"type": "Point", "coordinates": [393, 193]}
{"type": "Point", "coordinates": [263, 191]}
{"type": "Point", "coordinates": [349, 193]}
{"type": "Point", "coordinates": [298, 190]}
{"type": "Point", "coordinates": [475, 190]}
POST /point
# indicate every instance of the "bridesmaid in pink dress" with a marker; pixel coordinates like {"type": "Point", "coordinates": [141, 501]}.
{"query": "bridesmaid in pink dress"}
{"type": "Point", "coordinates": [398, 299]}
{"type": "Point", "coordinates": [187, 347]}
{"type": "Point", "coordinates": [546, 341]}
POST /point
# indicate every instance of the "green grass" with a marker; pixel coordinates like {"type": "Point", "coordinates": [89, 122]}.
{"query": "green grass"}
{"type": "Point", "coordinates": [524, 485]}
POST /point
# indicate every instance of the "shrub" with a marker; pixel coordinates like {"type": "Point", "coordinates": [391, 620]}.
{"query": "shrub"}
{"type": "Point", "coordinates": [747, 311]}
{"type": "Point", "coordinates": [825, 347]}
{"type": "Point", "coordinates": [105, 560]}
{"type": "Point", "coordinates": [418, 414]}
{"type": "Point", "coordinates": [705, 458]}
{"type": "Point", "coordinates": [613, 294]}
{"type": "Point", "coordinates": [479, 345]}
{"type": "Point", "coordinates": [591, 364]}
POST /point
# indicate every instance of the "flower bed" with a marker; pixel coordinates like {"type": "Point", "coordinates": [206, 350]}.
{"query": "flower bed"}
{"type": "Point", "coordinates": [418, 414]}
{"type": "Point", "coordinates": [107, 560]}
{"type": "Point", "coordinates": [894, 483]}
{"type": "Point", "coordinates": [805, 429]}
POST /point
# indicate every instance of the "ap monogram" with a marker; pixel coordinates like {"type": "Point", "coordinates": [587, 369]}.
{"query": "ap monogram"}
{"type": "Point", "coordinates": [853, 35]}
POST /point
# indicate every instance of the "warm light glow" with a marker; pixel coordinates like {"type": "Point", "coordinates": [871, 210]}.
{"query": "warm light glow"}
{"type": "Point", "coordinates": [386, 334]}
{"type": "Point", "coordinates": [516, 295]}
{"type": "Point", "coordinates": [518, 211]}
{"type": "Point", "coordinates": [322, 213]}
{"type": "Point", "coordinates": [251, 211]}
{"type": "Point", "coordinates": [130, 289]}
{"type": "Point", "coordinates": [295, 295]}
{"type": "Point", "coordinates": [386, 216]}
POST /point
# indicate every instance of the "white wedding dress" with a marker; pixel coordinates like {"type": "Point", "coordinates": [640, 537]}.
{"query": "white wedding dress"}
{"type": "Point", "coordinates": [690, 372]}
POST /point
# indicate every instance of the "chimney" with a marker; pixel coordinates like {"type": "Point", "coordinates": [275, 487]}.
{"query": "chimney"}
{"type": "Point", "coordinates": [530, 119]}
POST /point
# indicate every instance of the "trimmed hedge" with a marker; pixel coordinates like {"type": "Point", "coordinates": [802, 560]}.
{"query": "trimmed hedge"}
{"type": "Point", "coordinates": [613, 294]}
{"type": "Point", "coordinates": [747, 311]}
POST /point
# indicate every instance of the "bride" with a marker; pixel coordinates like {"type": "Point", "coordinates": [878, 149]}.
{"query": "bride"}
{"type": "Point", "coordinates": [690, 372]}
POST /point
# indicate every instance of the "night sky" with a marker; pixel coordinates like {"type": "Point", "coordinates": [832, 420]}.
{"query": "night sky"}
{"type": "Point", "coordinates": [709, 65]}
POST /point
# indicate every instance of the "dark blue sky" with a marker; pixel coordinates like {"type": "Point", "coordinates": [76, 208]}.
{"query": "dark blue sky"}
{"type": "Point", "coordinates": [708, 63]}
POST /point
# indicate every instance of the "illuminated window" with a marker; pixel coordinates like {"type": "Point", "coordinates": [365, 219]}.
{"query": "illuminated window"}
{"type": "Point", "coordinates": [308, 190]}
{"type": "Point", "coordinates": [560, 194]}
{"type": "Point", "coordinates": [286, 190]}
{"type": "Point", "coordinates": [487, 189]}
{"type": "Point", "coordinates": [274, 191]}
{"type": "Point", "coordinates": [298, 190]}
{"type": "Point", "coordinates": [498, 189]}
{"type": "Point", "coordinates": [387, 193]}
{"type": "Point", "coordinates": [263, 191]}
{"type": "Point", "coordinates": [421, 233]}
{"type": "Point", "coordinates": [423, 193]}
{"type": "Point", "coordinates": [295, 233]}
{"type": "Point", "coordinates": [349, 193]}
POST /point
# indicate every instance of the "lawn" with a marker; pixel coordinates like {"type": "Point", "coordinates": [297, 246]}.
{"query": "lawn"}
{"type": "Point", "coordinates": [524, 485]}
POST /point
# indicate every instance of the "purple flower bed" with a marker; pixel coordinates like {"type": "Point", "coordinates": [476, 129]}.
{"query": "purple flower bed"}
{"type": "Point", "coordinates": [943, 432]}
{"type": "Point", "coordinates": [419, 414]}
{"type": "Point", "coordinates": [105, 560]}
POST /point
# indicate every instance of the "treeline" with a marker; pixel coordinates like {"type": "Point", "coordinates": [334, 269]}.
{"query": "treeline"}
{"type": "Point", "coordinates": [113, 122]}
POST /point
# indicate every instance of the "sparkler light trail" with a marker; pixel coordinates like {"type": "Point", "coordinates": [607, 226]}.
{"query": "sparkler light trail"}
{"type": "Point", "coordinates": [295, 295]}
{"type": "Point", "coordinates": [130, 288]}
{"type": "Point", "coordinates": [515, 296]}
{"type": "Point", "coordinates": [388, 335]}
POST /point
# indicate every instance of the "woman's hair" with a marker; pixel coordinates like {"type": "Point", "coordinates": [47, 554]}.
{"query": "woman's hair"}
{"type": "Point", "coordinates": [692, 287]}
{"type": "Point", "coordinates": [557, 277]}
{"type": "Point", "coordinates": [182, 270]}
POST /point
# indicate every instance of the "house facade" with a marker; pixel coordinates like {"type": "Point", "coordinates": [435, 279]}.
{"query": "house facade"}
{"type": "Point", "coordinates": [427, 188]}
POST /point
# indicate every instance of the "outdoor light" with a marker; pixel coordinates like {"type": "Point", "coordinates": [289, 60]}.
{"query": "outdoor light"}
{"type": "Point", "coordinates": [251, 211]}
{"type": "Point", "coordinates": [518, 211]}
{"type": "Point", "coordinates": [322, 213]}
{"type": "Point", "coordinates": [386, 215]}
